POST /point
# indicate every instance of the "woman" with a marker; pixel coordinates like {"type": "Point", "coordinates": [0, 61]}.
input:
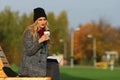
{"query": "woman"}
{"type": "Point", "coordinates": [34, 61]}
{"type": "Point", "coordinates": [35, 51]}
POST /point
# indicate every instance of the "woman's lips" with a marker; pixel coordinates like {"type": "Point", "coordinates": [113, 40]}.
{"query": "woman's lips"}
{"type": "Point", "coordinates": [43, 24]}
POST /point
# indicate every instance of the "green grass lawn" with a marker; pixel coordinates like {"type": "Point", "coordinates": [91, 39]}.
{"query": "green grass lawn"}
{"type": "Point", "coordinates": [89, 74]}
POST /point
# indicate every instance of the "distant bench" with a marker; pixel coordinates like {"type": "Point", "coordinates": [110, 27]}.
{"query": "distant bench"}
{"type": "Point", "coordinates": [101, 65]}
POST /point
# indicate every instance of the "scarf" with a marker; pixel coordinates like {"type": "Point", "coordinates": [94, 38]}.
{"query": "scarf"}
{"type": "Point", "coordinates": [41, 32]}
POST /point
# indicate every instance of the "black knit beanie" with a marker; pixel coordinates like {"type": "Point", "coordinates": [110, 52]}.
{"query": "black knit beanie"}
{"type": "Point", "coordinates": [39, 12]}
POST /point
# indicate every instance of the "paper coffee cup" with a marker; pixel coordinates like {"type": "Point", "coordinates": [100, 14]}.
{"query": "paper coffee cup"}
{"type": "Point", "coordinates": [47, 32]}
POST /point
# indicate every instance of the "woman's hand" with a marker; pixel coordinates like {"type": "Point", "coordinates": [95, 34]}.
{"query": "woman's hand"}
{"type": "Point", "coordinates": [44, 37]}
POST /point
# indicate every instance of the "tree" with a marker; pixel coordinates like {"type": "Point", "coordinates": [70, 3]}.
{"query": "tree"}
{"type": "Point", "coordinates": [106, 40]}
{"type": "Point", "coordinates": [59, 30]}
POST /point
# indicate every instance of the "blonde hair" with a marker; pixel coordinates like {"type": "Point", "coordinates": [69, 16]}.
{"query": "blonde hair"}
{"type": "Point", "coordinates": [34, 29]}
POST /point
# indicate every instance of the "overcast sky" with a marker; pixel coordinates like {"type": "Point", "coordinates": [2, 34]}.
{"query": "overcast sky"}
{"type": "Point", "coordinates": [78, 11]}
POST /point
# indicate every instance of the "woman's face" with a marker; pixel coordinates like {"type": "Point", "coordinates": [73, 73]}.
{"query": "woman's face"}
{"type": "Point", "coordinates": [42, 22]}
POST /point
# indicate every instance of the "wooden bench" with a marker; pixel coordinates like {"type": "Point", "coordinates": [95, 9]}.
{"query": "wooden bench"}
{"type": "Point", "coordinates": [26, 78]}
{"type": "Point", "coordinates": [2, 74]}
{"type": "Point", "coordinates": [2, 78]}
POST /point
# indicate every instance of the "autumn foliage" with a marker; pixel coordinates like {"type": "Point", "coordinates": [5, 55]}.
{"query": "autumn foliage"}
{"type": "Point", "coordinates": [107, 39]}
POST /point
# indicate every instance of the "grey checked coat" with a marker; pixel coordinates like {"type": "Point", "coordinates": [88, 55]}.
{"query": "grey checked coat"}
{"type": "Point", "coordinates": [34, 61]}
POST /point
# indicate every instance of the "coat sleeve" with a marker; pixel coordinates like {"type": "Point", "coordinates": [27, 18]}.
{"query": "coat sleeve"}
{"type": "Point", "coordinates": [30, 46]}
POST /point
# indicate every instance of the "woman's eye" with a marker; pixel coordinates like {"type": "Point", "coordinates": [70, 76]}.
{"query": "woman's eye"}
{"type": "Point", "coordinates": [40, 19]}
